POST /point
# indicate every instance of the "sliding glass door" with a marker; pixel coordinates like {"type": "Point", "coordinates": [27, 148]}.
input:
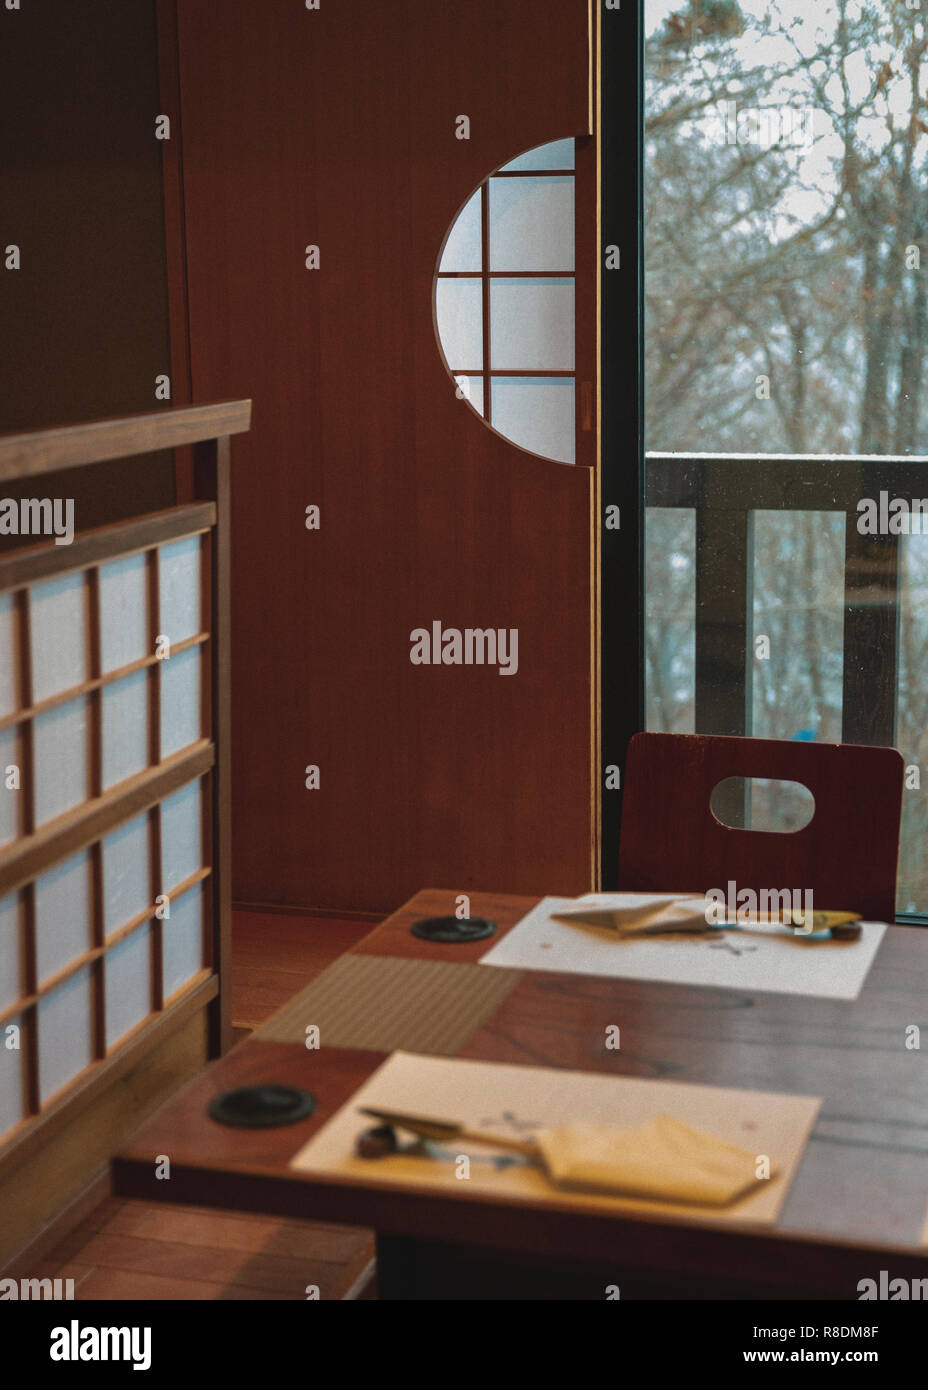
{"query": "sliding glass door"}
{"type": "Point", "coordinates": [785, 417]}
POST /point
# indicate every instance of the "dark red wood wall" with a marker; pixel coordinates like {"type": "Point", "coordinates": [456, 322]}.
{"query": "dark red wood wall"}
{"type": "Point", "coordinates": [85, 318]}
{"type": "Point", "coordinates": [336, 127]}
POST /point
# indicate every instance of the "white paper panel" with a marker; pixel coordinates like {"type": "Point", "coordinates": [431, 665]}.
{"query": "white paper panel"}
{"type": "Point", "coordinates": [128, 984]}
{"type": "Point", "coordinates": [126, 876]}
{"type": "Point", "coordinates": [62, 914]}
{"type": "Point", "coordinates": [536, 413]}
{"type": "Point", "coordinates": [182, 940]}
{"type": "Point", "coordinates": [11, 1078]}
{"type": "Point", "coordinates": [179, 567]}
{"type": "Point", "coordinates": [125, 727]}
{"type": "Point", "coordinates": [7, 656]}
{"type": "Point", "coordinates": [180, 701]}
{"type": "Point", "coordinates": [559, 154]}
{"type": "Point", "coordinates": [58, 635]}
{"type": "Point", "coordinates": [123, 612]}
{"type": "Point", "coordinates": [532, 325]}
{"type": "Point", "coordinates": [9, 953]}
{"type": "Point", "coordinates": [9, 798]}
{"type": "Point", "coordinates": [459, 314]}
{"type": "Point", "coordinates": [181, 836]}
{"type": "Point", "coordinates": [464, 245]}
{"type": "Point", "coordinates": [65, 1033]}
{"type": "Point", "coordinates": [60, 750]}
{"type": "Point", "coordinates": [532, 224]}
{"type": "Point", "coordinates": [472, 388]}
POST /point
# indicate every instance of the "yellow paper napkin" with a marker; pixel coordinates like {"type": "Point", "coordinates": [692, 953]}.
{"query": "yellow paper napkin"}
{"type": "Point", "coordinates": [648, 917]}
{"type": "Point", "coordinates": [664, 1159]}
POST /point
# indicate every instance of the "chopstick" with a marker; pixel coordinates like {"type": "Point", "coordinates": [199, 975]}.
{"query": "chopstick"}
{"type": "Point", "coordinates": [427, 1128]}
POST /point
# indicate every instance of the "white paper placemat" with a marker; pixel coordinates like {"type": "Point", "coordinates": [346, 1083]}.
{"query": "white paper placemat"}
{"type": "Point", "coordinates": [499, 1098]}
{"type": "Point", "coordinates": [761, 957]}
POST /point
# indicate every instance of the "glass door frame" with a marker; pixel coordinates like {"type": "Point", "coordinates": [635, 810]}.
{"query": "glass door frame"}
{"type": "Point", "coordinates": [620, 602]}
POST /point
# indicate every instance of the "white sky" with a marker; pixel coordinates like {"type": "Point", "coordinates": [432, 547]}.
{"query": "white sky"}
{"type": "Point", "coordinates": [816, 165]}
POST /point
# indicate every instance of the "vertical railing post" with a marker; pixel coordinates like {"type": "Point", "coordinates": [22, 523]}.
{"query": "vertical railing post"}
{"type": "Point", "coordinates": [211, 481]}
{"type": "Point", "coordinates": [871, 637]}
{"type": "Point", "coordinates": [619, 482]}
{"type": "Point", "coordinates": [724, 605]}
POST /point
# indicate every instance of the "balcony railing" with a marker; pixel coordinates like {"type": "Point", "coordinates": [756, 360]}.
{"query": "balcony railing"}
{"type": "Point", "coordinates": [724, 491]}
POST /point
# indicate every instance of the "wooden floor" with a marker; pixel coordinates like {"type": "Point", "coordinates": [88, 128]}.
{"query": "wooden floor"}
{"type": "Point", "coordinates": [133, 1250]}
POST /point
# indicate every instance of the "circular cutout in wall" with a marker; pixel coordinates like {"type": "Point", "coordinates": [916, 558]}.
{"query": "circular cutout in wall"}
{"type": "Point", "coordinates": [504, 301]}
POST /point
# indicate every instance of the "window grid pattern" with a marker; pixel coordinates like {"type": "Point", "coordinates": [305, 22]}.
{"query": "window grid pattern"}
{"type": "Point", "coordinates": [84, 941]}
{"type": "Point", "coordinates": [498, 271]}
{"type": "Point", "coordinates": [32, 1009]}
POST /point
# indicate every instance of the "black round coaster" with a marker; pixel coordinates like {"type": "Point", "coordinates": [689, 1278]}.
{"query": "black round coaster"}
{"type": "Point", "coordinates": [453, 930]}
{"type": "Point", "coordinates": [260, 1107]}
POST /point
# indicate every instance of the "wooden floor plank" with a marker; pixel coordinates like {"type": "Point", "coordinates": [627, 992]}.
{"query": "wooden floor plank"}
{"type": "Point", "coordinates": [246, 1234]}
{"type": "Point", "coordinates": [66, 1249]}
{"type": "Point", "coordinates": [291, 944]}
{"type": "Point", "coordinates": [78, 1272]}
{"type": "Point", "coordinates": [286, 1276]}
{"type": "Point", "coordinates": [137, 1286]}
{"type": "Point", "coordinates": [363, 1289]}
{"type": "Point", "coordinates": [275, 955]}
{"type": "Point", "coordinates": [256, 999]}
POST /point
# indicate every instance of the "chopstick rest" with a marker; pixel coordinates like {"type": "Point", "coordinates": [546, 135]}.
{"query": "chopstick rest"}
{"type": "Point", "coordinates": [664, 1159]}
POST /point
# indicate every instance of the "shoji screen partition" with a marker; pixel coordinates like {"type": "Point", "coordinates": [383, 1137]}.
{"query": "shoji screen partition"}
{"type": "Point", "coordinates": [114, 891]}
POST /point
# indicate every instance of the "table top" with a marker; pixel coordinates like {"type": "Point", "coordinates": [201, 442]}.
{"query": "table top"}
{"type": "Point", "coordinates": [859, 1197]}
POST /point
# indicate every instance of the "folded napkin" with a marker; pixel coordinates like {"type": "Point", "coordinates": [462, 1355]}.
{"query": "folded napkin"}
{"type": "Point", "coordinates": [663, 1159]}
{"type": "Point", "coordinates": [649, 916]}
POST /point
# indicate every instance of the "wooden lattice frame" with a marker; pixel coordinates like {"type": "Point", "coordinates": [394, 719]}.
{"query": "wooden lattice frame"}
{"type": "Point", "coordinates": [35, 850]}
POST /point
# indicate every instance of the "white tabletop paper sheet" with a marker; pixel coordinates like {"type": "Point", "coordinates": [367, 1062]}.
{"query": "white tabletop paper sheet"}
{"type": "Point", "coordinates": [500, 1098]}
{"type": "Point", "coordinates": [762, 957]}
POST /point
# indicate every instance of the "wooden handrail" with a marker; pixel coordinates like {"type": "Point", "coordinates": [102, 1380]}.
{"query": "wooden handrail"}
{"type": "Point", "coordinates": [124, 436]}
{"type": "Point", "coordinates": [23, 860]}
{"type": "Point", "coordinates": [725, 491]}
{"type": "Point", "coordinates": [31, 563]}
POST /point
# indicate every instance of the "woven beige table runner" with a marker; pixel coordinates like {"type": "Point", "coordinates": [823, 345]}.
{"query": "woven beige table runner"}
{"type": "Point", "coordinates": [384, 1003]}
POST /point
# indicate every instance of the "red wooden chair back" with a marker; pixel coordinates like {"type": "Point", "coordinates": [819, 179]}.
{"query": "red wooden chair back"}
{"type": "Point", "coordinates": [670, 838]}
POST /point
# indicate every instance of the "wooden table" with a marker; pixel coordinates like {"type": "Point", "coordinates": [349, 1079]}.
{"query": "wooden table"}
{"type": "Point", "coordinates": [858, 1203]}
